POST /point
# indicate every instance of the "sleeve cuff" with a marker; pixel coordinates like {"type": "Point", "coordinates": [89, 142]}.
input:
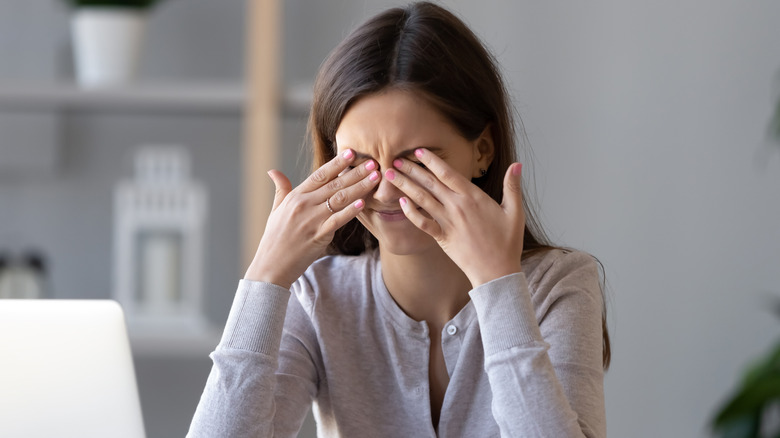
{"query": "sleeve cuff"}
{"type": "Point", "coordinates": [505, 313]}
{"type": "Point", "coordinates": [256, 319]}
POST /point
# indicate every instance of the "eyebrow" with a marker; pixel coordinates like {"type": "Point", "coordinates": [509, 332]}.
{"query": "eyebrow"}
{"type": "Point", "coordinates": [359, 155]}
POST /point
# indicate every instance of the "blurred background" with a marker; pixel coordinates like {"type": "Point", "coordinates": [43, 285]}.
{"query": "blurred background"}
{"type": "Point", "coordinates": [648, 124]}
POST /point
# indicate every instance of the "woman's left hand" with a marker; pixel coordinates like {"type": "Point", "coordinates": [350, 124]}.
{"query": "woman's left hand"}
{"type": "Point", "coordinates": [483, 238]}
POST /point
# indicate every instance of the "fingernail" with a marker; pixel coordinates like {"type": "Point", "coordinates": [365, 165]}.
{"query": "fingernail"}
{"type": "Point", "coordinates": [517, 169]}
{"type": "Point", "coordinates": [418, 153]}
{"type": "Point", "coordinates": [390, 175]}
{"type": "Point", "coordinates": [374, 176]}
{"type": "Point", "coordinates": [370, 165]}
{"type": "Point", "coordinates": [403, 202]}
{"type": "Point", "coordinates": [347, 154]}
{"type": "Point", "coordinates": [398, 163]}
{"type": "Point", "coordinates": [359, 203]}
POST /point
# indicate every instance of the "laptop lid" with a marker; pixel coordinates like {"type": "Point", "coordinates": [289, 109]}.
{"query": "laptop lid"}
{"type": "Point", "coordinates": [66, 370]}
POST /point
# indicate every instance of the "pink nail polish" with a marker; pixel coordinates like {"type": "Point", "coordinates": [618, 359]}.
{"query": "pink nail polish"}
{"type": "Point", "coordinates": [359, 203]}
{"type": "Point", "coordinates": [403, 202]}
{"type": "Point", "coordinates": [390, 175]}
{"type": "Point", "coordinates": [517, 169]}
{"type": "Point", "coordinates": [398, 163]}
{"type": "Point", "coordinates": [374, 176]}
{"type": "Point", "coordinates": [347, 154]}
{"type": "Point", "coordinates": [418, 152]}
{"type": "Point", "coordinates": [370, 165]}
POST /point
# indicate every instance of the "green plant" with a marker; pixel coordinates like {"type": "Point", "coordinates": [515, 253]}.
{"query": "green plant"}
{"type": "Point", "coordinates": [742, 416]}
{"type": "Point", "coordinates": [774, 127]}
{"type": "Point", "coordinates": [134, 4]}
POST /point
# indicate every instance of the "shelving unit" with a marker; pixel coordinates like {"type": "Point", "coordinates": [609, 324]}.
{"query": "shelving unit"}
{"type": "Point", "coordinates": [262, 119]}
{"type": "Point", "coordinates": [187, 98]}
{"type": "Point", "coordinates": [88, 132]}
{"type": "Point", "coordinates": [260, 103]}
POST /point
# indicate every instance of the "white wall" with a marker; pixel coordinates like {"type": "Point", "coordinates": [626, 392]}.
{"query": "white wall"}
{"type": "Point", "coordinates": [648, 122]}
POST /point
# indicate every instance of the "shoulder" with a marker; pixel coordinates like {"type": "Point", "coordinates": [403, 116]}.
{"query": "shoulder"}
{"type": "Point", "coordinates": [553, 272]}
{"type": "Point", "coordinates": [335, 276]}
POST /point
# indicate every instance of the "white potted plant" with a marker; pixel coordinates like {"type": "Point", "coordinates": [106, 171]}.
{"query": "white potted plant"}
{"type": "Point", "coordinates": [107, 38]}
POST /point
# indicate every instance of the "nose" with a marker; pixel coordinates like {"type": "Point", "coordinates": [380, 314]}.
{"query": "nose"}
{"type": "Point", "coordinates": [386, 193]}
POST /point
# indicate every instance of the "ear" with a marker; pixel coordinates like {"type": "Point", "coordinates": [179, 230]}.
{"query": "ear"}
{"type": "Point", "coordinates": [484, 151]}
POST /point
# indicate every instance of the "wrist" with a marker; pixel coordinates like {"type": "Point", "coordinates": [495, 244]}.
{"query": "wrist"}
{"type": "Point", "coordinates": [264, 274]}
{"type": "Point", "coordinates": [486, 276]}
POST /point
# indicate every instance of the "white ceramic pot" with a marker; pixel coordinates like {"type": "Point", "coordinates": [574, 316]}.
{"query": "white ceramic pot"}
{"type": "Point", "coordinates": [107, 44]}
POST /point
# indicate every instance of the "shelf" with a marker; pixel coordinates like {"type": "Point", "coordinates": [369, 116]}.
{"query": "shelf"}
{"type": "Point", "coordinates": [214, 98]}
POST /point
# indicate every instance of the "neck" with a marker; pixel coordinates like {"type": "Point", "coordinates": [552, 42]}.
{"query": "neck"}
{"type": "Point", "coordinates": [427, 286]}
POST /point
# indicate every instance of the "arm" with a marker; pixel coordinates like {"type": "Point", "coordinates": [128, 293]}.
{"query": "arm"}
{"type": "Point", "coordinates": [245, 395]}
{"type": "Point", "coordinates": [546, 376]}
{"type": "Point", "coordinates": [542, 352]}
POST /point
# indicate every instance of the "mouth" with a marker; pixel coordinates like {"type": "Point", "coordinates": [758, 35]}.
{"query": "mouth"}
{"type": "Point", "coordinates": [391, 215]}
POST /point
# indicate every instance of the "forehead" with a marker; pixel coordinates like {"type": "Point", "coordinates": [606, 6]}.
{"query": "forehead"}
{"type": "Point", "coordinates": [392, 121]}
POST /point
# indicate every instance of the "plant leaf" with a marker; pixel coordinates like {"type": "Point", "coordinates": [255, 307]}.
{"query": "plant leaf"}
{"type": "Point", "coordinates": [743, 427]}
{"type": "Point", "coordinates": [750, 399]}
{"type": "Point", "coordinates": [774, 127]}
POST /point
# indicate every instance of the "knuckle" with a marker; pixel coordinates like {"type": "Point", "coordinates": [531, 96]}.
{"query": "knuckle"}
{"type": "Point", "coordinates": [296, 207]}
{"type": "Point", "coordinates": [447, 175]}
{"type": "Point", "coordinates": [335, 185]}
{"type": "Point", "coordinates": [319, 176]}
{"type": "Point", "coordinates": [360, 170]}
{"type": "Point", "coordinates": [419, 193]}
{"type": "Point", "coordinates": [470, 204]}
{"type": "Point", "coordinates": [429, 183]}
{"type": "Point", "coordinates": [425, 226]}
{"type": "Point", "coordinates": [339, 198]}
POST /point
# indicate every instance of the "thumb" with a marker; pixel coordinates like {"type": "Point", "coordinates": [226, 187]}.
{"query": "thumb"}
{"type": "Point", "coordinates": [283, 186]}
{"type": "Point", "coordinates": [513, 188]}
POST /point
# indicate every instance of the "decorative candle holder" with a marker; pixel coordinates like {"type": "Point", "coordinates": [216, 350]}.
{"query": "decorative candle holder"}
{"type": "Point", "coordinates": [160, 227]}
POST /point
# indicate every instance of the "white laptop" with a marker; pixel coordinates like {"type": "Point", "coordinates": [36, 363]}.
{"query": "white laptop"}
{"type": "Point", "coordinates": [66, 371]}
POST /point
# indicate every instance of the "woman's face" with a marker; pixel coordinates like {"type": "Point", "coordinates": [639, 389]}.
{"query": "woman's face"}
{"type": "Point", "coordinates": [390, 125]}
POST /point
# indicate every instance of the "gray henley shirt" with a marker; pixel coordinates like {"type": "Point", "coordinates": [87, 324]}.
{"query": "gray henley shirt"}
{"type": "Point", "coordinates": [523, 357]}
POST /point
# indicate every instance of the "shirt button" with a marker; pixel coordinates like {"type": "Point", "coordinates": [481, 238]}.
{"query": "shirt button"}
{"type": "Point", "coordinates": [451, 329]}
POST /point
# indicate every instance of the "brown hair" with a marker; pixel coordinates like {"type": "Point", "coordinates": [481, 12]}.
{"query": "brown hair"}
{"type": "Point", "coordinates": [426, 49]}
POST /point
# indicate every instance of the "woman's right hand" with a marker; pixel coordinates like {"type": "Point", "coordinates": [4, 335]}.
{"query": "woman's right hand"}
{"type": "Point", "coordinates": [300, 226]}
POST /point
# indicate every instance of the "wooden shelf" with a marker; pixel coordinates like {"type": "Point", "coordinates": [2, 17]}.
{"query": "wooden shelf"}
{"type": "Point", "coordinates": [180, 98]}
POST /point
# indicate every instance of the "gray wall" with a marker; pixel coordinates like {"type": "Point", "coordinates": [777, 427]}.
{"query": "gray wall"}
{"type": "Point", "coordinates": [647, 122]}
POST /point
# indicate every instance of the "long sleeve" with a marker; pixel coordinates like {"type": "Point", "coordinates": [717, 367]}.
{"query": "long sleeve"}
{"type": "Point", "coordinates": [543, 350]}
{"type": "Point", "coordinates": [248, 393]}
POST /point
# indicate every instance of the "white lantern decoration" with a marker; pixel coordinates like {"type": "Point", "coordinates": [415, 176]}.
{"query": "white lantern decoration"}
{"type": "Point", "coordinates": [160, 223]}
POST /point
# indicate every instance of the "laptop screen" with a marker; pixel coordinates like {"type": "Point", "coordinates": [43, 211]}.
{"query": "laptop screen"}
{"type": "Point", "coordinates": [66, 370]}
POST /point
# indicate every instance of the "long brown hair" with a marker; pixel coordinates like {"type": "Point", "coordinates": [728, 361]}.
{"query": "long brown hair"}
{"type": "Point", "coordinates": [426, 49]}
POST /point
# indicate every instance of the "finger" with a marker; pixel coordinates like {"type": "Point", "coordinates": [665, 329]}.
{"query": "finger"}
{"type": "Point", "coordinates": [416, 193]}
{"type": "Point", "coordinates": [282, 185]}
{"type": "Point", "coordinates": [450, 177]}
{"type": "Point", "coordinates": [419, 220]}
{"type": "Point", "coordinates": [327, 171]}
{"type": "Point", "coordinates": [359, 189]}
{"type": "Point", "coordinates": [513, 188]}
{"type": "Point", "coordinates": [340, 218]}
{"type": "Point", "coordinates": [345, 180]}
{"type": "Point", "coordinates": [424, 178]}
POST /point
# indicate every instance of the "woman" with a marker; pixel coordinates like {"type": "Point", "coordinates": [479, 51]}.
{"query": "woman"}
{"type": "Point", "coordinates": [442, 310]}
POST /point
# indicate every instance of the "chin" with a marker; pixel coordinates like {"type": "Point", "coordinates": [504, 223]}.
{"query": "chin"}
{"type": "Point", "coordinates": [400, 238]}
